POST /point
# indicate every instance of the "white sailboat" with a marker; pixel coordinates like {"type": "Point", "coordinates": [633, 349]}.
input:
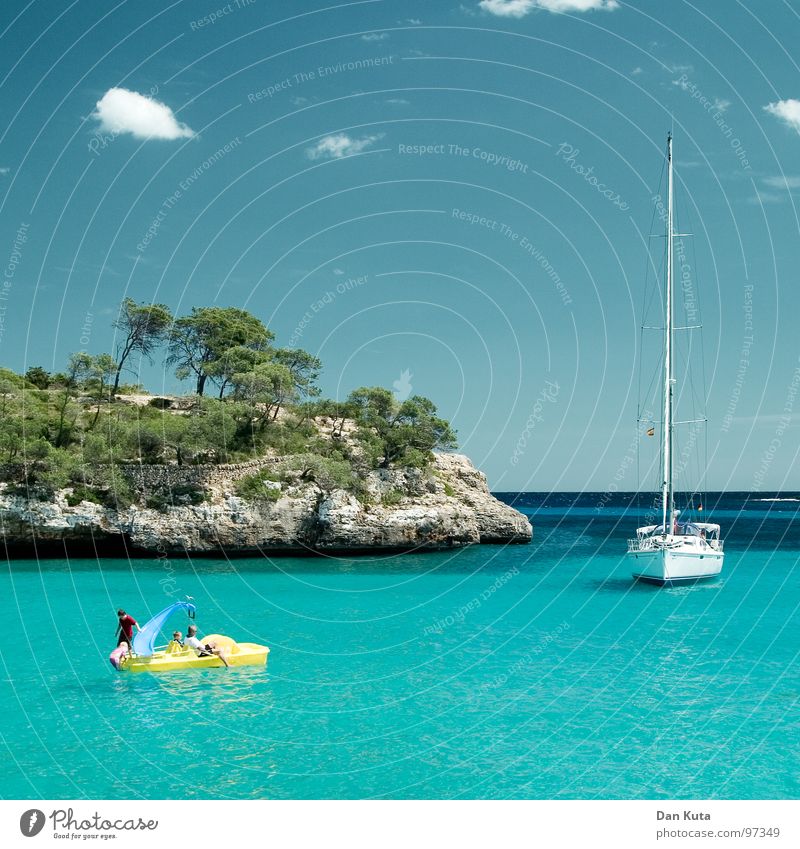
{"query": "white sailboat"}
{"type": "Point", "coordinates": [673, 551]}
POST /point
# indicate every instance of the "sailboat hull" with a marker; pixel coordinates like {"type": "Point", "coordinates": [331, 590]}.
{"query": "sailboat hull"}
{"type": "Point", "coordinates": [665, 566]}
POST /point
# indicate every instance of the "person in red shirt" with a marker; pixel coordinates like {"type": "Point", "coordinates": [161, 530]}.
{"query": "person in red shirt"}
{"type": "Point", "coordinates": [126, 624]}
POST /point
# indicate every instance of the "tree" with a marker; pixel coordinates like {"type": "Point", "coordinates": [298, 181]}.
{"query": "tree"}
{"type": "Point", "coordinates": [264, 390]}
{"type": "Point", "coordinates": [304, 368]}
{"type": "Point", "coordinates": [78, 370]}
{"type": "Point", "coordinates": [197, 342]}
{"type": "Point", "coordinates": [38, 377]}
{"type": "Point", "coordinates": [406, 432]}
{"type": "Point", "coordinates": [143, 328]}
{"type": "Point", "coordinates": [234, 361]}
{"type": "Point", "coordinates": [337, 411]}
{"type": "Point", "coordinates": [99, 374]}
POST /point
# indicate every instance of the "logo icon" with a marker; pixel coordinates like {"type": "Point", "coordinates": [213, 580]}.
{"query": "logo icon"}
{"type": "Point", "coordinates": [402, 386]}
{"type": "Point", "coordinates": [31, 822]}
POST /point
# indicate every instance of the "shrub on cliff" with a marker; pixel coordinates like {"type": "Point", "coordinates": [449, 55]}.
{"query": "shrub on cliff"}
{"type": "Point", "coordinates": [45, 469]}
{"type": "Point", "coordinates": [260, 488]}
{"type": "Point", "coordinates": [327, 472]}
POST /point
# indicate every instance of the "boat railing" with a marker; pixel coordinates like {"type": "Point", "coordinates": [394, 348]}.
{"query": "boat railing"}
{"type": "Point", "coordinates": [651, 543]}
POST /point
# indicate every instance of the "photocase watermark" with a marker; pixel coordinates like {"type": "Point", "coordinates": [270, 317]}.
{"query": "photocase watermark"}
{"type": "Point", "coordinates": [548, 395]}
{"type": "Point", "coordinates": [10, 272]}
{"type": "Point", "coordinates": [684, 269]}
{"type": "Point", "coordinates": [402, 388]}
{"type": "Point", "coordinates": [716, 109]}
{"type": "Point", "coordinates": [548, 269]}
{"type": "Point", "coordinates": [459, 615]}
{"type": "Point", "coordinates": [168, 583]}
{"type": "Point", "coordinates": [341, 288]}
{"type": "Point", "coordinates": [212, 17]}
{"type": "Point", "coordinates": [784, 421]}
{"type": "Point", "coordinates": [68, 825]}
{"type": "Point", "coordinates": [86, 330]}
{"type": "Point", "coordinates": [545, 641]}
{"type": "Point", "coordinates": [183, 187]}
{"type": "Point", "coordinates": [569, 155]}
{"type": "Point", "coordinates": [487, 157]}
{"type": "Point", "coordinates": [321, 72]}
{"type": "Point", "coordinates": [645, 426]}
{"type": "Point", "coordinates": [101, 140]}
{"type": "Point", "coordinates": [522, 241]}
{"type": "Point", "coordinates": [32, 822]}
{"type": "Point", "coordinates": [744, 358]}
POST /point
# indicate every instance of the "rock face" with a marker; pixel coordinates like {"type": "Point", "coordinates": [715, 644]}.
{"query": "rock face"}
{"type": "Point", "coordinates": [408, 509]}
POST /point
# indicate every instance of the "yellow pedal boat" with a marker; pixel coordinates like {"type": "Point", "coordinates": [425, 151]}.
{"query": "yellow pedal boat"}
{"type": "Point", "coordinates": [146, 658]}
{"type": "Point", "coordinates": [183, 657]}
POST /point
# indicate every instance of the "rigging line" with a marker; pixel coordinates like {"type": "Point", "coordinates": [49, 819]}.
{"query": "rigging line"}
{"type": "Point", "coordinates": [704, 379]}
{"type": "Point", "coordinates": [702, 461]}
{"type": "Point", "coordinates": [648, 264]}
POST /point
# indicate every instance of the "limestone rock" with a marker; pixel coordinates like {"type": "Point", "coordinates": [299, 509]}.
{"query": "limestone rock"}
{"type": "Point", "coordinates": [407, 509]}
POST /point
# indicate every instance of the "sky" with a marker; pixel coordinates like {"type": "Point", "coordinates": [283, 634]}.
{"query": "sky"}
{"type": "Point", "coordinates": [458, 200]}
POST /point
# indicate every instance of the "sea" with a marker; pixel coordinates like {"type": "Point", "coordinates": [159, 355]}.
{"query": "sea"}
{"type": "Point", "coordinates": [536, 671]}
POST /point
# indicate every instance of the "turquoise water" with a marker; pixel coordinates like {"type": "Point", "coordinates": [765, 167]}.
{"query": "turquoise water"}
{"type": "Point", "coordinates": [530, 671]}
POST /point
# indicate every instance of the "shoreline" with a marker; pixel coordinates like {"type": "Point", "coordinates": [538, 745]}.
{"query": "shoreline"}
{"type": "Point", "coordinates": [441, 508]}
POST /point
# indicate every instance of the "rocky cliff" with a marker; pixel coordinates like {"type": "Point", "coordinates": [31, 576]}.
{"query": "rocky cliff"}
{"type": "Point", "coordinates": [407, 509]}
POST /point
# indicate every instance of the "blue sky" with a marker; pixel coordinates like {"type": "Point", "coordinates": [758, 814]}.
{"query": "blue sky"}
{"type": "Point", "coordinates": [452, 199]}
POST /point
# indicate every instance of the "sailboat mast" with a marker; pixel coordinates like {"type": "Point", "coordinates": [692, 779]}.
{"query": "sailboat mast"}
{"type": "Point", "coordinates": [667, 493]}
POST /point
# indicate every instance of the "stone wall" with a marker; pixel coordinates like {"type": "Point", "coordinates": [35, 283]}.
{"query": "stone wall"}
{"type": "Point", "coordinates": [146, 478]}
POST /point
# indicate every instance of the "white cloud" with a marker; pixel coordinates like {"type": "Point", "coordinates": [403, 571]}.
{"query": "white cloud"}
{"type": "Point", "coordinates": [122, 111]}
{"type": "Point", "coordinates": [374, 36]}
{"type": "Point", "coordinates": [415, 22]}
{"type": "Point", "coordinates": [339, 145]}
{"type": "Point", "coordinates": [787, 111]}
{"type": "Point", "coordinates": [721, 105]}
{"type": "Point", "coordinates": [520, 8]}
{"type": "Point", "coordinates": [761, 197]}
{"type": "Point", "coordinates": [398, 101]}
{"type": "Point", "coordinates": [338, 271]}
{"type": "Point", "coordinates": [4, 171]}
{"type": "Point", "coordinates": [636, 71]}
{"type": "Point", "coordinates": [782, 182]}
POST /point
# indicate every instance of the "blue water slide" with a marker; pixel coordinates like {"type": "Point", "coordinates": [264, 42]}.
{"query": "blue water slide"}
{"type": "Point", "coordinates": [145, 640]}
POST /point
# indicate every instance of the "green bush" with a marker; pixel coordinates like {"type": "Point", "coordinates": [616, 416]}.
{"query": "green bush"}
{"type": "Point", "coordinates": [448, 490]}
{"type": "Point", "coordinates": [83, 493]}
{"type": "Point", "coordinates": [256, 487]}
{"type": "Point", "coordinates": [112, 488]}
{"type": "Point", "coordinates": [178, 496]}
{"type": "Point", "coordinates": [393, 497]}
{"type": "Point", "coordinates": [327, 472]}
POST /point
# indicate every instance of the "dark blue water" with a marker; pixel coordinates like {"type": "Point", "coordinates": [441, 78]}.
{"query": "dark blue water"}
{"type": "Point", "coordinates": [534, 671]}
